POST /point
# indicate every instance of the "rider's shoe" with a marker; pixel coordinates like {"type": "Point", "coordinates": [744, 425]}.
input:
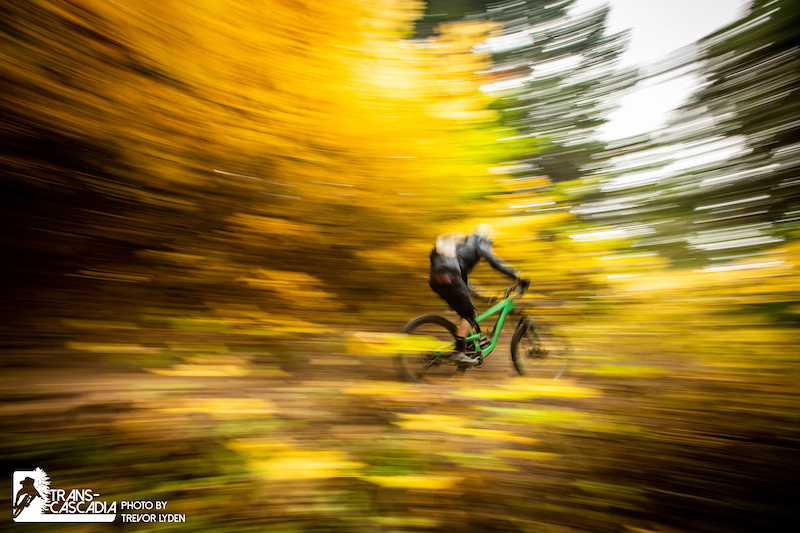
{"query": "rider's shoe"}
{"type": "Point", "coordinates": [462, 359]}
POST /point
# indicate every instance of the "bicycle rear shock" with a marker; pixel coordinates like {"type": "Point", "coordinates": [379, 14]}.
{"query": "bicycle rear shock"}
{"type": "Point", "coordinates": [483, 342]}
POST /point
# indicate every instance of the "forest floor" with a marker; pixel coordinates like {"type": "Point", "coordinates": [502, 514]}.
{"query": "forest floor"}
{"type": "Point", "coordinates": [313, 438]}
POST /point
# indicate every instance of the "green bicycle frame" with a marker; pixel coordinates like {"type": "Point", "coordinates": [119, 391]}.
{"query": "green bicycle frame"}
{"type": "Point", "coordinates": [504, 308]}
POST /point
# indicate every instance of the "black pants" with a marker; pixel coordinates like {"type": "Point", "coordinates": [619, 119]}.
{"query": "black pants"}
{"type": "Point", "coordinates": [453, 290]}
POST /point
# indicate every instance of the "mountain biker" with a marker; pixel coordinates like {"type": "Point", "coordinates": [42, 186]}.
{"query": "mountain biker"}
{"type": "Point", "coordinates": [452, 259]}
{"type": "Point", "coordinates": [25, 495]}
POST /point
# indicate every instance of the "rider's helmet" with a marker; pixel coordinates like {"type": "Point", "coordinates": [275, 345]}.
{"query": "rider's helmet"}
{"type": "Point", "coordinates": [447, 242]}
{"type": "Point", "coordinates": [485, 231]}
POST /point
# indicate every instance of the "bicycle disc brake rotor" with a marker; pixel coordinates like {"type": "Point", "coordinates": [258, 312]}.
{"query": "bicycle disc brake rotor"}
{"type": "Point", "coordinates": [537, 352]}
{"type": "Point", "coordinates": [429, 361]}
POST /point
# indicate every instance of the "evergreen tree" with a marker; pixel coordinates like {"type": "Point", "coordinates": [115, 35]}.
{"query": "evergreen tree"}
{"type": "Point", "coordinates": [554, 77]}
{"type": "Point", "coordinates": [729, 188]}
{"type": "Point", "coordinates": [561, 83]}
{"type": "Point", "coordinates": [753, 94]}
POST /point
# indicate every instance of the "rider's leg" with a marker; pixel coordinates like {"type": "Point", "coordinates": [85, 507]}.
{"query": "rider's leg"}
{"type": "Point", "coordinates": [455, 293]}
{"type": "Point", "coordinates": [463, 330]}
{"type": "Point", "coordinates": [464, 327]}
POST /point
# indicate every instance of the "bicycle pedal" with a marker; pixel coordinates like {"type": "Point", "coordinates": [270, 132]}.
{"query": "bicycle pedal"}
{"type": "Point", "coordinates": [476, 356]}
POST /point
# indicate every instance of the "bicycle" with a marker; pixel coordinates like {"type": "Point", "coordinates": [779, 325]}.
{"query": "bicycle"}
{"type": "Point", "coordinates": [536, 349]}
{"type": "Point", "coordinates": [22, 505]}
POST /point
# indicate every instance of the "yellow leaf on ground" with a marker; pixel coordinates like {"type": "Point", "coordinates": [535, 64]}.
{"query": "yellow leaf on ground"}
{"type": "Point", "coordinates": [110, 348]}
{"type": "Point", "coordinates": [527, 454]}
{"type": "Point", "coordinates": [405, 521]}
{"type": "Point", "coordinates": [413, 481]}
{"type": "Point", "coordinates": [202, 370]}
{"type": "Point", "coordinates": [431, 422]}
{"type": "Point", "coordinates": [223, 407]}
{"type": "Point", "coordinates": [381, 388]}
{"type": "Point", "coordinates": [495, 434]}
{"type": "Point", "coordinates": [304, 464]}
{"type": "Point", "coordinates": [363, 342]}
{"type": "Point", "coordinates": [455, 425]}
{"type": "Point", "coordinates": [522, 390]}
{"type": "Point", "coordinates": [258, 449]}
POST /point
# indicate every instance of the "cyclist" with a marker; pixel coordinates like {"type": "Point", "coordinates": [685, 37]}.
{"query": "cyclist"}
{"type": "Point", "coordinates": [452, 259]}
{"type": "Point", "coordinates": [25, 495]}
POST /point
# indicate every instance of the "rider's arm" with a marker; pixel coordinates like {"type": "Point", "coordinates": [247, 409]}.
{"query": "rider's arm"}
{"type": "Point", "coordinates": [476, 290]}
{"type": "Point", "coordinates": [485, 249]}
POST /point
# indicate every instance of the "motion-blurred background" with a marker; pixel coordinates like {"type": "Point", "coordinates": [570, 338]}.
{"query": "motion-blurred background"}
{"type": "Point", "coordinates": [216, 214]}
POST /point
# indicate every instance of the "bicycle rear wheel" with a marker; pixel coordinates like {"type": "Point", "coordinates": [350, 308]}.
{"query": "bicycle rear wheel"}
{"type": "Point", "coordinates": [539, 351]}
{"type": "Point", "coordinates": [26, 501]}
{"type": "Point", "coordinates": [432, 336]}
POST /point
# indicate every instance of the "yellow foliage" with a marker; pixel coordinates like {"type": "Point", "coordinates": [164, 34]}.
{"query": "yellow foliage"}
{"type": "Point", "coordinates": [430, 422]}
{"type": "Point", "coordinates": [527, 454]}
{"type": "Point", "coordinates": [454, 425]}
{"type": "Point", "coordinates": [299, 465]}
{"type": "Point", "coordinates": [419, 482]}
{"type": "Point", "coordinates": [391, 344]}
{"type": "Point", "coordinates": [276, 227]}
{"type": "Point", "coordinates": [110, 348]}
{"type": "Point", "coordinates": [529, 388]}
{"type": "Point", "coordinates": [382, 388]}
{"type": "Point", "coordinates": [279, 461]}
{"type": "Point", "coordinates": [202, 370]}
{"type": "Point", "coordinates": [302, 125]}
{"type": "Point", "coordinates": [258, 448]}
{"type": "Point", "coordinates": [223, 407]}
{"type": "Point", "coordinates": [493, 434]}
{"type": "Point", "coordinates": [294, 287]}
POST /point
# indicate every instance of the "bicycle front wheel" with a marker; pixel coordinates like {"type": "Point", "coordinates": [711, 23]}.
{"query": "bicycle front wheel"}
{"type": "Point", "coordinates": [432, 338]}
{"type": "Point", "coordinates": [539, 351]}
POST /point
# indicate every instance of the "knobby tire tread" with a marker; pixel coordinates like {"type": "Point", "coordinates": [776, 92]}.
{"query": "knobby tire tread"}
{"type": "Point", "coordinates": [410, 326]}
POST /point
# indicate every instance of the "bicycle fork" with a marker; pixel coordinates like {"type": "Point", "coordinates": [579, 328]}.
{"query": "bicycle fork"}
{"type": "Point", "coordinates": [536, 340]}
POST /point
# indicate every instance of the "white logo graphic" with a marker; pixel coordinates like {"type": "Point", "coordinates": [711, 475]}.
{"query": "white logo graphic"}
{"type": "Point", "coordinates": [34, 501]}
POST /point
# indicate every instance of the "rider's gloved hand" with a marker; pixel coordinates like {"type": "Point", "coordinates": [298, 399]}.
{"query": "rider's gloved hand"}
{"type": "Point", "coordinates": [524, 283]}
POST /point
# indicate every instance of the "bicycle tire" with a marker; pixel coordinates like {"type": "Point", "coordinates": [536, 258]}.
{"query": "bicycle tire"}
{"type": "Point", "coordinates": [424, 367]}
{"type": "Point", "coordinates": [545, 357]}
{"type": "Point", "coordinates": [17, 509]}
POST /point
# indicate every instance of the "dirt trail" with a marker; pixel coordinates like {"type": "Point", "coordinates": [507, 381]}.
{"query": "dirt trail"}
{"type": "Point", "coordinates": [312, 445]}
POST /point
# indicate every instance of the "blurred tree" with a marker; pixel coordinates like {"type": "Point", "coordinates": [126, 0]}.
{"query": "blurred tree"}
{"type": "Point", "coordinates": [186, 157]}
{"type": "Point", "coordinates": [752, 93]}
{"type": "Point", "coordinates": [719, 184]}
{"type": "Point", "coordinates": [553, 77]}
{"type": "Point", "coordinates": [439, 12]}
{"type": "Point", "coordinates": [556, 79]}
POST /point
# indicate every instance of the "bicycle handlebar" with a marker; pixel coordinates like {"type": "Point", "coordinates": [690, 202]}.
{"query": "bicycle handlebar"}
{"type": "Point", "coordinates": [516, 286]}
{"type": "Point", "coordinates": [507, 292]}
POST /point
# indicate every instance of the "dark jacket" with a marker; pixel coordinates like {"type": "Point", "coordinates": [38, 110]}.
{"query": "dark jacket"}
{"type": "Point", "coordinates": [468, 254]}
